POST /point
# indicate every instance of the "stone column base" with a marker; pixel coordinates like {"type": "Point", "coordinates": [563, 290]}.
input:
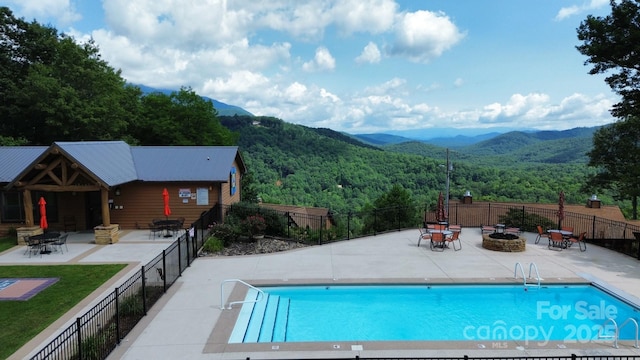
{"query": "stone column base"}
{"type": "Point", "coordinates": [27, 231]}
{"type": "Point", "coordinates": [105, 235]}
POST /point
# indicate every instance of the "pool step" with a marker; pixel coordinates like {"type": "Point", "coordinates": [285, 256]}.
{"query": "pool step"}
{"type": "Point", "coordinates": [240, 329]}
{"type": "Point", "coordinates": [282, 318]}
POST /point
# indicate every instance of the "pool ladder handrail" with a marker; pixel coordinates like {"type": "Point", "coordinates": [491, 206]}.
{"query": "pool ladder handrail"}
{"type": "Point", "coordinates": [230, 305]}
{"type": "Point", "coordinates": [617, 331]}
{"type": "Point", "coordinates": [532, 266]}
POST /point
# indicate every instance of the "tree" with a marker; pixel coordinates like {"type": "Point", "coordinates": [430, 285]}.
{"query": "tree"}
{"type": "Point", "coordinates": [54, 89]}
{"type": "Point", "coordinates": [613, 43]}
{"type": "Point", "coordinates": [181, 118]}
{"type": "Point", "coordinates": [616, 151]}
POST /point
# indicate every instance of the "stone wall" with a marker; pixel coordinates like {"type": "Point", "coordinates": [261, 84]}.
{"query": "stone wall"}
{"type": "Point", "coordinates": [515, 245]}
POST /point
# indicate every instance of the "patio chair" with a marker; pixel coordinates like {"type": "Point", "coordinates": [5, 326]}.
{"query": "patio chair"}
{"type": "Point", "coordinates": [580, 240]}
{"type": "Point", "coordinates": [455, 236]}
{"type": "Point", "coordinates": [567, 228]}
{"type": "Point", "coordinates": [437, 241]}
{"type": "Point", "coordinates": [424, 235]}
{"type": "Point", "coordinates": [457, 228]}
{"type": "Point", "coordinates": [154, 230]}
{"type": "Point", "coordinates": [34, 246]}
{"type": "Point", "coordinates": [541, 234]}
{"type": "Point", "coordinates": [62, 240]}
{"type": "Point", "coordinates": [556, 240]}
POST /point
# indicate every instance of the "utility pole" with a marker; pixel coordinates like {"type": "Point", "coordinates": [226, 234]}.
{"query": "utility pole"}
{"type": "Point", "coordinates": [449, 169]}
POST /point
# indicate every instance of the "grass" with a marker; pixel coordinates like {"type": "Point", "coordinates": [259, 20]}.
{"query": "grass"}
{"type": "Point", "coordinates": [23, 320]}
{"type": "Point", "coordinates": [7, 243]}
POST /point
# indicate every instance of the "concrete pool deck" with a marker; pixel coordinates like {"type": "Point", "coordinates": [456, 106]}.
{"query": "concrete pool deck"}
{"type": "Point", "coordinates": [187, 322]}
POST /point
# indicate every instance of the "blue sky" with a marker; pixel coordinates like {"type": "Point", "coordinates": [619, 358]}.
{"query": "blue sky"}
{"type": "Point", "coordinates": [359, 66]}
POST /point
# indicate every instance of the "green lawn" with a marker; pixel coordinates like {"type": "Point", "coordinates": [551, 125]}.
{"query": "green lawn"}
{"type": "Point", "coordinates": [20, 321]}
{"type": "Point", "coordinates": [7, 243]}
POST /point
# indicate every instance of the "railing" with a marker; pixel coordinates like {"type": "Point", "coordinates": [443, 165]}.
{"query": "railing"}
{"type": "Point", "coordinates": [96, 333]}
{"type": "Point", "coordinates": [616, 332]}
{"type": "Point", "coordinates": [532, 266]}
{"type": "Point", "coordinates": [315, 229]}
{"type": "Point", "coordinates": [258, 298]}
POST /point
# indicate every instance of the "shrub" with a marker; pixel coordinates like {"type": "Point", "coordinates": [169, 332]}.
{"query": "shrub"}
{"type": "Point", "coordinates": [227, 232]}
{"type": "Point", "coordinates": [213, 244]}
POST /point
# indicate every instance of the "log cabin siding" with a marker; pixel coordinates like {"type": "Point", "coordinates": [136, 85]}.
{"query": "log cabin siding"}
{"type": "Point", "coordinates": [142, 202]}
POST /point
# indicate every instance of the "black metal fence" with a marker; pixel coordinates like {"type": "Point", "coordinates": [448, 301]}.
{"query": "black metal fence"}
{"type": "Point", "coordinates": [465, 357]}
{"type": "Point", "coordinates": [321, 229]}
{"type": "Point", "coordinates": [95, 334]}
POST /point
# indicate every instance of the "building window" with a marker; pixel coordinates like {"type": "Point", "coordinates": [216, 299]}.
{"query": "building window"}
{"type": "Point", "coordinates": [12, 207]}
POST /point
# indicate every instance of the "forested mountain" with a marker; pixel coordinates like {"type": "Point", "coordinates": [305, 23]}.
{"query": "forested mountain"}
{"type": "Point", "coordinates": [294, 164]}
{"type": "Point", "coordinates": [516, 147]}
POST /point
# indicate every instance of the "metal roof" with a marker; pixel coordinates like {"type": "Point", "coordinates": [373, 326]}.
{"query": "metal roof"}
{"type": "Point", "coordinates": [109, 161]}
{"type": "Point", "coordinates": [115, 162]}
{"type": "Point", "coordinates": [13, 159]}
{"type": "Point", "coordinates": [184, 163]}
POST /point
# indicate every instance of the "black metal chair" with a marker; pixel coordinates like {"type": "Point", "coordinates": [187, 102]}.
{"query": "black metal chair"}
{"type": "Point", "coordinates": [62, 240]}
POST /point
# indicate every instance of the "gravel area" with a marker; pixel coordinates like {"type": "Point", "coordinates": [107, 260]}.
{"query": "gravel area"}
{"type": "Point", "coordinates": [263, 246]}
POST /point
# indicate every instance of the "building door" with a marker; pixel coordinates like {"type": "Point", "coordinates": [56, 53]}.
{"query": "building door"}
{"type": "Point", "coordinates": [94, 209]}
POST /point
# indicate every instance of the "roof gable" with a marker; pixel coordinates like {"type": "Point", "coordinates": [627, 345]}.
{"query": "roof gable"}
{"type": "Point", "coordinates": [109, 161]}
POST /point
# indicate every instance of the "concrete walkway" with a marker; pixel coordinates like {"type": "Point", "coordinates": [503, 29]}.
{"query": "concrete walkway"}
{"type": "Point", "coordinates": [187, 322]}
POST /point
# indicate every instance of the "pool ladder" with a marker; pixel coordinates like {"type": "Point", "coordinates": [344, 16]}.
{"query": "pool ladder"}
{"type": "Point", "coordinates": [532, 266]}
{"type": "Point", "coordinates": [258, 298]}
{"type": "Point", "coordinates": [617, 331]}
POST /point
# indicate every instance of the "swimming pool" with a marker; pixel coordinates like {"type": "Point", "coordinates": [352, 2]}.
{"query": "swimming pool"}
{"type": "Point", "coordinates": [569, 313]}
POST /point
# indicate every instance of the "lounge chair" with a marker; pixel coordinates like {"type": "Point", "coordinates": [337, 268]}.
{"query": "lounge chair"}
{"type": "Point", "coordinates": [455, 236]}
{"type": "Point", "coordinates": [457, 228]}
{"type": "Point", "coordinates": [512, 230]}
{"type": "Point", "coordinates": [437, 241]}
{"type": "Point", "coordinates": [580, 240]}
{"type": "Point", "coordinates": [424, 235]}
{"type": "Point", "coordinates": [541, 234]}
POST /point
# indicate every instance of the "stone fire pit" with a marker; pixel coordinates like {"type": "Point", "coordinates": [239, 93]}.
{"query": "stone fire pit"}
{"type": "Point", "coordinates": [503, 242]}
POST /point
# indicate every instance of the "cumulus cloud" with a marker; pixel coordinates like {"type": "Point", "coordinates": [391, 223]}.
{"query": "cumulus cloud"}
{"type": "Point", "coordinates": [370, 54]}
{"type": "Point", "coordinates": [63, 11]}
{"type": "Point", "coordinates": [424, 35]}
{"type": "Point", "coordinates": [569, 11]}
{"type": "Point", "coordinates": [322, 61]}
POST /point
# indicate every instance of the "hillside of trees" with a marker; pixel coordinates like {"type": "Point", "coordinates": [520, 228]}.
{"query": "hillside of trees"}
{"type": "Point", "coordinates": [293, 164]}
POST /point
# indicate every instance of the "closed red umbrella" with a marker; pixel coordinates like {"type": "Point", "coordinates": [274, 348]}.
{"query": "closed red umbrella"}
{"type": "Point", "coordinates": [165, 198]}
{"type": "Point", "coordinates": [440, 211]}
{"type": "Point", "coordinates": [560, 209]}
{"type": "Point", "coordinates": [43, 213]}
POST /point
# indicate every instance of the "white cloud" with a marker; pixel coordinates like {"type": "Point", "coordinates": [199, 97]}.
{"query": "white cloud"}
{"type": "Point", "coordinates": [569, 11]}
{"type": "Point", "coordinates": [322, 61]}
{"type": "Point", "coordinates": [372, 16]}
{"type": "Point", "coordinates": [424, 35]}
{"type": "Point", "coordinates": [370, 54]}
{"type": "Point", "coordinates": [62, 11]}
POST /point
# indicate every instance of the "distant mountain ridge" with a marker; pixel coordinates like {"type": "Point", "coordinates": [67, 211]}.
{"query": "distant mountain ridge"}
{"type": "Point", "coordinates": [222, 108]}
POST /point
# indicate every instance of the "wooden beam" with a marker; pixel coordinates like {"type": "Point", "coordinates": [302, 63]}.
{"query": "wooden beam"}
{"type": "Point", "coordinates": [28, 208]}
{"type": "Point", "coordinates": [40, 166]}
{"type": "Point", "coordinates": [106, 215]}
{"type": "Point", "coordinates": [58, 188]}
{"type": "Point", "coordinates": [50, 167]}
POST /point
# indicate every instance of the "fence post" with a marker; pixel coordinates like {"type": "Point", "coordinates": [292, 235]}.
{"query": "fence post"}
{"type": "Point", "coordinates": [179, 258]}
{"type": "Point", "coordinates": [489, 215]}
{"type": "Point", "coordinates": [321, 227]}
{"type": "Point", "coordinates": [117, 315]}
{"type": "Point", "coordinates": [144, 291]}
{"type": "Point", "coordinates": [522, 224]}
{"type": "Point", "coordinates": [78, 325]}
{"type": "Point", "coordinates": [164, 270]}
{"type": "Point", "coordinates": [187, 239]}
{"type": "Point", "coordinates": [593, 228]}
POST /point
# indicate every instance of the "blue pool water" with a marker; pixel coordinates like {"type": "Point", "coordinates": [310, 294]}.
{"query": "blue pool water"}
{"type": "Point", "coordinates": [574, 313]}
